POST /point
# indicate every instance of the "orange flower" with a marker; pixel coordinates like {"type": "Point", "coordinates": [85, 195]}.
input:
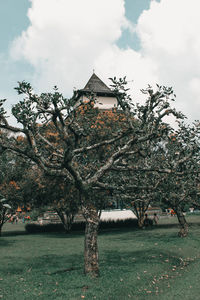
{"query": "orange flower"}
{"type": "Point", "coordinates": [14, 184]}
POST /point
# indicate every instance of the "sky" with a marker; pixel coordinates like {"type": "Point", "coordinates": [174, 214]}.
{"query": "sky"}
{"type": "Point", "coordinates": [61, 42]}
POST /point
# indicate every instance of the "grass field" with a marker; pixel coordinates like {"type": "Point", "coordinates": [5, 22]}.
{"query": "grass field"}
{"type": "Point", "coordinates": [134, 264]}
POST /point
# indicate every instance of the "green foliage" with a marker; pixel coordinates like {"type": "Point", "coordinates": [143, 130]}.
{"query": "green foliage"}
{"type": "Point", "coordinates": [180, 155]}
{"type": "Point", "coordinates": [12, 175]}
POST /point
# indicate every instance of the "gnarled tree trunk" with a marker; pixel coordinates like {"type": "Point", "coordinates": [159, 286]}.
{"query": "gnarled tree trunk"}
{"type": "Point", "coordinates": [66, 219]}
{"type": "Point", "coordinates": [182, 222]}
{"type": "Point", "coordinates": [92, 219]}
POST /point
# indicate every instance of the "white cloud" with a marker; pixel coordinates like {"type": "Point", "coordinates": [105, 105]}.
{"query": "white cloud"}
{"type": "Point", "coordinates": [65, 37]}
{"type": "Point", "coordinates": [139, 70]}
{"type": "Point", "coordinates": [68, 38]}
{"type": "Point", "coordinates": [169, 54]}
{"type": "Point", "coordinates": [169, 34]}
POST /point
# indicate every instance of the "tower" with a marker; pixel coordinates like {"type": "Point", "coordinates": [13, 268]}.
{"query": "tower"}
{"type": "Point", "coordinates": [105, 98]}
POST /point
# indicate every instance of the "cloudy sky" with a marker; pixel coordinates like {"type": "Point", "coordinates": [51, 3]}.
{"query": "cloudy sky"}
{"type": "Point", "coordinates": [60, 42]}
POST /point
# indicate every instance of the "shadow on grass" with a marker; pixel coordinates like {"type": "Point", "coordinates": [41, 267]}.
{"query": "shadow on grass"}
{"type": "Point", "coordinates": [74, 234]}
{"type": "Point", "coordinates": [104, 232]}
{"type": "Point", "coordinates": [128, 259]}
{"type": "Point", "coordinates": [137, 230]}
{"type": "Point", "coordinates": [46, 264]}
{"type": "Point", "coordinates": [6, 243]}
{"type": "Point", "coordinates": [53, 264]}
{"type": "Point", "coordinates": [193, 224]}
{"type": "Point", "coordinates": [13, 233]}
{"type": "Point", "coordinates": [59, 235]}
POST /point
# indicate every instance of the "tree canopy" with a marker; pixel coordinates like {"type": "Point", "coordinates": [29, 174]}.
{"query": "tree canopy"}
{"type": "Point", "coordinates": [74, 140]}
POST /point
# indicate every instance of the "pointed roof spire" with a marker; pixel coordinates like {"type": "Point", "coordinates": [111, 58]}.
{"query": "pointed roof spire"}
{"type": "Point", "coordinates": [96, 85]}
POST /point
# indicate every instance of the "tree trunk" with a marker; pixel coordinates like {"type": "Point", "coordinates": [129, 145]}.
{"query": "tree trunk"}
{"type": "Point", "coordinates": [91, 248]}
{"type": "Point", "coordinates": [2, 218]}
{"type": "Point", "coordinates": [66, 219]}
{"type": "Point", "coordinates": [141, 221]}
{"type": "Point", "coordinates": [1, 225]}
{"type": "Point", "coordinates": [140, 216]}
{"type": "Point", "coordinates": [182, 222]}
{"type": "Point", "coordinates": [139, 209]}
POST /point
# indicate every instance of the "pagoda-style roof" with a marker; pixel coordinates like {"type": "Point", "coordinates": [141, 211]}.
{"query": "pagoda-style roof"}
{"type": "Point", "coordinates": [97, 86]}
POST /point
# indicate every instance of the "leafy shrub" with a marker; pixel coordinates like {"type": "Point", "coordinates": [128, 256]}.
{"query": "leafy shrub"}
{"type": "Point", "coordinates": [118, 223]}
{"type": "Point", "coordinates": [80, 226]}
{"type": "Point", "coordinates": [37, 228]}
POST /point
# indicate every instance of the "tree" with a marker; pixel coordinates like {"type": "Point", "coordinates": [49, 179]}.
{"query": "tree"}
{"type": "Point", "coordinates": [169, 172]}
{"type": "Point", "coordinates": [173, 163]}
{"type": "Point", "coordinates": [140, 201]}
{"type": "Point", "coordinates": [10, 173]}
{"type": "Point", "coordinates": [75, 154]}
{"type": "Point", "coordinates": [4, 212]}
{"type": "Point", "coordinates": [41, 191]}
{"type": "Point", "coordinates": [12, 169]}
{"type": "Point", "coordinates": [146, 184]}
{"type": "Point", "coordinates": [179, 160]}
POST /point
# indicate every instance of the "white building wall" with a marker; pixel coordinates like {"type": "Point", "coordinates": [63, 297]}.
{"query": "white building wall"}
{"type": "Point", "coordinates": [103, 102]}
{"type": "Point", "coordinates": [117, 215]}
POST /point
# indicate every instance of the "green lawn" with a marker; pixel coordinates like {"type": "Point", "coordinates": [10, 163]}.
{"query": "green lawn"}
{"type": "Point", "coordinates": [135, 264]}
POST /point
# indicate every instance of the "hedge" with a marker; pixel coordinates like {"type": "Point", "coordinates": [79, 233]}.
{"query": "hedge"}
{"type": "Point", "coordinates": [80, 226]}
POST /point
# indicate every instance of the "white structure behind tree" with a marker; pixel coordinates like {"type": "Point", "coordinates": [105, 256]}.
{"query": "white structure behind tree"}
{"type": "Point", "coordinates": [105, 98]}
